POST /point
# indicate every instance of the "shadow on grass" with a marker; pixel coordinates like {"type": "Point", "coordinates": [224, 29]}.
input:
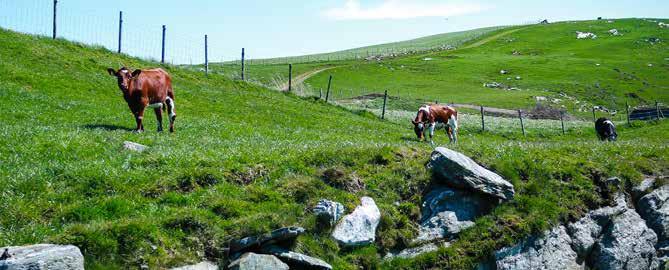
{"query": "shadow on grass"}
{"type": "Point", "coordinates": [107, 127]}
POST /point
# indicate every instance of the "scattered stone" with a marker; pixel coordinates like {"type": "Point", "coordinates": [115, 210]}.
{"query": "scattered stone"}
{"type": "Point", "coordinates": [503, 71]}
{"type": "Point", "coordinates": [200, 266]}
{"type": "Point", "coordinates": [597, 64]}
{"type": "Point", "coordinates": [328, 212]}
{"type": "Point", "coordinates": [492, 85]}
{"type": "Point", "coordinates": [625, 244]}
{"type": "Point", "coordinates": [650, 65]}
{"type": "Point", "coordinates": [134, 146]}
{"type": "Point", "coordinates": [518, 78]}
{"type": "Point", "coordinates": [551, 250]}
{"type": "Point", "coordinates": [585, 35]}
{"type": "Point", "coordinates": [297, 260]}
{"type": "Point", "coordinates": [427, 59]}
{"type": "Point", "coordinates": [43, 257]}
{"type": "Point", "coordinates": [460, 171]}
{"type": "Point", "coordinates": [615, 32]}
{"type": "Point", "coordinates": [359, 227]}
{"type": "Point", "coordinates": [643, 188]}
{"type": "Point", "coordinates": [662, 25]}
{"type": "Point", "coordinates": [276, 236]}
{"type": "Point", "coordinates": [410, 253]}
{"type": "Point", "coordinates": [252, 261]}
{"type": "Point", "coordinates": [447, 211]}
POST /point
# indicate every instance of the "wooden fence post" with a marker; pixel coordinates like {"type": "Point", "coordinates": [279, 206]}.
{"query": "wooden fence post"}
{"type": "Point", "coordinates": [562, 122]}
{"type": "Point", "coordinates": [206, 55]}
{"type": "Point", "coordinates": [290, 77]}
{"type": "Point", "coordinates": [327, 94]}
{"type": "Point", "coordinates": [55, 11]}
{"type": "Point", "coordinates": [522, 126]}
{"type": "Point", "coordinates": [594, 118]}
{"type": "Point", "coordinates": [120, 29]}
{"type": "Point", "coordinates": [385, 100]}
{"type": "Point", "coordinates": [162, 55]}
{"type": "Point", "coordinates": [482, 120]}
{"type": "Point", "coordinates": [657, 109]}
{"type": "Point", "coordinates": [627, 109]}
{"type": "Point", "coordinates": [320, 93]}
{"type": "Point", "coordinates": [243, 63]}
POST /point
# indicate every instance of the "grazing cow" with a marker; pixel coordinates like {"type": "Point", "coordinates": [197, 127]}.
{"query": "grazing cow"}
{"type": "Point", "coordinates": [606, 130]}
{"type": "Point", "coordinates": [147, 88]}
{"type": "Point", "coordinates": [433, 114]}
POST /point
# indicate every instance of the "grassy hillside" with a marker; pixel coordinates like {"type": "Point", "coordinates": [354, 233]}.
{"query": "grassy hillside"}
{"type": "Point", "coordinates": [548, 59]}
{"type": "Point", "coordinates": [246, 160]}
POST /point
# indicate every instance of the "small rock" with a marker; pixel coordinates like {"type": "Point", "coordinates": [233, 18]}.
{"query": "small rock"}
{"type": "Point", "coordinates": [276, 236]}
{"type": "Point", "coordinates": [297, 260]}
{"type": "Point", "coordinates": [650, 65]}
{"type": "Point", "coordinates": [200, 266]}
{"type": "Point", "coordinates": [134, 146]}
{"type": "Point", "coordinates": [43, 257]}
{"type": "Point", "coordinates": [427, 59]}
{"type": "Point", "coordinates": [597, 64]}
{"type": "Point", "coordinates": [359, 227]}
{"type": "Point", "coordinates": [614, 32]}
{"type": "Point", "coordinates": [585, 35]}
{"type": "Point", "coordinates": [460, 171]}
{"type": "Point", "coordinates": [518, 78]}
{"type": "Point", "coordinates": [492, 85]}
{"type": "Point", "coordinates": [252, 261]}
{"type": "Point", "coordinates": [503, 71]}
{"type": "Point", "coordinates": [410, 253]}
{"type": "Point", "coordinates": [329, 212]}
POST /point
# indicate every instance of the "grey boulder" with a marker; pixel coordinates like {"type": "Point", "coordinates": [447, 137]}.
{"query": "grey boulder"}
{"type": "Point", "coordinates": [625, 244]}
{"type": "Point", "coordinates": [43, 257]}
{"type": "Point", "coordinates": [255, 242]}
{"type": "Point", "coordinates": [297, 260]}
{"type": "Point", "coordinates": [359, 227]}
{"type": "Point", "coordinates": [134, 146]}
{"type": "Point", "coordinates": [462, 172]}
{"type": "Point", "coordinates": [654, 209]}
{"type": "Point", "coordinates": [447, 211]}
{"type": "Point", "coordinates": [587, 231]}
{"type": "Point", "coordinates": [252, 261]}
{"type": "Point", "coordinates": [328, 212]}
{"type": "Point", "coordinates": [551, 250]}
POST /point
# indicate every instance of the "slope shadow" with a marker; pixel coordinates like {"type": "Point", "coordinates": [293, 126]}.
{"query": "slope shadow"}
{"type": "Point", "coordinates": [107, 127]}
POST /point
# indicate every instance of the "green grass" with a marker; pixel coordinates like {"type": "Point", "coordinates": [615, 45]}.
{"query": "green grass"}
{"type": "Point", "coordinates": [246, 160]}
{"type": "Point", "coordinates": [551, 61]}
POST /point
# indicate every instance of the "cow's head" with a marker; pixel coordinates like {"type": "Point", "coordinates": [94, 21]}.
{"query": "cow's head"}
{"type": "Point", "coordinates": [418, 128]}
{"type": "Point", "coordinates": [124, 76]}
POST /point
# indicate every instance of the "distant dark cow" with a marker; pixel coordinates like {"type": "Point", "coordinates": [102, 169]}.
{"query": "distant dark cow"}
{"type": "Point", "coordinates": [147, 88]}
{"type": "Point", "coordinates": [430, 115]}
{"type": "Point", "coordinates": [606, 130]}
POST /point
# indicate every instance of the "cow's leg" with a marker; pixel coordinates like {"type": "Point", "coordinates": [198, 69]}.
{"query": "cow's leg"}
{"type": "Point", "coordinates": [430, 129]}
{"type": "Point", "coordinates": [159, 117]}
{"type": "Point", "coordinates": [139, 117]}
{"type": "Point", "coordinates": [170, 110]}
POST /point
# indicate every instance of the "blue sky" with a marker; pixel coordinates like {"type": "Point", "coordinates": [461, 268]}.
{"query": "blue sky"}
{"type": "Point", "coordinates": [283, 28]}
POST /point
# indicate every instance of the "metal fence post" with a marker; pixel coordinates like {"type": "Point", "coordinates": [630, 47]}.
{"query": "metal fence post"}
{"type": "Point", "coordinates": [327, 94]}
{"type": "Point", "coordinates": [627, 109]}
{"type": "Point", "coordinates": [162, 54]}
{"type": "Point", "coordinates": [385, 100]}
{"type": "Point", "coordinates": [290, 77]}
{"type": "Point", "coordinates": [594, 118]}
{"type": "Point", "coordinates": [482, 120]}
{"type": "Point", "coordinates": [243, 63]}
{"type": "Point", "coordinates": [55, 11]}
{"type": "Point", "coordinates": [522, 126]}
{"type": "Point", "coordinates": [206, 55]}
{"type": "Point", "coordinates": [120, 29]}
{"type": "Point", "coordinates": [657, 109]}
{"type": "Point", "coordinates": [562, 122]}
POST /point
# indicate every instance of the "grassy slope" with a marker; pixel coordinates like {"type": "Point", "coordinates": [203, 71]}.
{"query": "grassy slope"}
{"type": "Point", "coordinates": [552, 60]}
{"type": "Point", "coordinates": [247, 160]}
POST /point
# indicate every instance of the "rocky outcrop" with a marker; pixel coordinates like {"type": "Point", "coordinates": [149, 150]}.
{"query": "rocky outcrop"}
{"type": "Point", "coordinates": [359, 227]}
{"type": "Point", "coordinates": [200, 266]}
{"type": "Point", "coordinates": [43, 257]}
{"type": "Point", "coordinates": [328, 212]}
{"type": "Point", "coordinates": [256, 242]}
{"type": "Point", "coordinates": [654, 209]}
{"type": "Point", "coordinates": [447, 211]}
{"type": "Point", "coordinates": [297, 260]}
{"type": "Point", "coordinates": [588, 230]}
{"type": "Point", "coordinates": [551, 250]}
{"type": "Point", "coordinates": [459, 171]}
{"type": "Point", "coordinates": [253, 261]}
{"type": "Point", "coordinates": [625, 244]}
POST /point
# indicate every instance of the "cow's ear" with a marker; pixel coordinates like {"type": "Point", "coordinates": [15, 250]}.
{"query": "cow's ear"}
{"type": "Point", "coordinates": [136, 73]}
{"type": "Point", "coordinates": [111, 71]}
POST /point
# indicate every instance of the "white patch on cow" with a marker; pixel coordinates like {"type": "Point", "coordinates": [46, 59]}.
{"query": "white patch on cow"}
{"type": "Point", "coordinates": [420, 125]}
{"type": "Point", "coordinates": [453, 124]}
{"type": "Point", "coordinates": [608, 122]}
{"type": "Point", "coordinates": [124, 71]}
{"type": "Point", "coordinates": [425, 108]}
{"type": "Point", "coordinates": [156, 105]}
{"type": "Point", "coordinates": [431, 129]}
{"type": "Point", "coordinates": [171, 105]}
{"type": "Point", "coordinates": [140, 117]}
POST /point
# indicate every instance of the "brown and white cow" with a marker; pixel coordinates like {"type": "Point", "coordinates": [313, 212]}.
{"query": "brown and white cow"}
{"type": "Point", "coordinates": [430, 115]}
{"type": "Point", "coordinates": [147, 88]}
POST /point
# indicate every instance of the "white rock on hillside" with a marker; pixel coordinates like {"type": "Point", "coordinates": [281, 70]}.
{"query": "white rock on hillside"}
{"type": "Point", "coordinates": [134, 146]}
{"type": "Point", "coordinates": [43, 257]}
{"type": "Point", "coordinates": [460, 171]}
{"type": "Point", "coordinates": [551, 250]}
{"type": "Point", "coordinates": [359, 227]}
{"type": "Point", "coordinates": [252, 261]}
{"type": "Point", "coordinates": [329, 211]}
{"type": "Point", "coordinates": [200, 266]}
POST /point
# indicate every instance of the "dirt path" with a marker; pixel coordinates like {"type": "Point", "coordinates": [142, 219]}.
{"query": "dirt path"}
{"type": "Point", "coordinates": [491, 38]}
{"type": "Point", "coordinates": [304, 76]}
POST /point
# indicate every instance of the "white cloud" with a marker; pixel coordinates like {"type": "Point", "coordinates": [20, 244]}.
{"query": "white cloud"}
{"type": "Point", "coordinates": [400, 9]}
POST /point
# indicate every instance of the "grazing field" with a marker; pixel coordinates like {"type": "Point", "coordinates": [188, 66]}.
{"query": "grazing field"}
{"type": "Point", "coordinates": [246, 160]}
{"type": "Point", "coordinates": [548, 59]}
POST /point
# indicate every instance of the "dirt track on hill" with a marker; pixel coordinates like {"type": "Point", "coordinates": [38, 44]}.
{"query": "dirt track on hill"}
{"type": "Point", "coordinates": [491, 38]}
{"type": "Point", "coordinates": [304, 76]}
